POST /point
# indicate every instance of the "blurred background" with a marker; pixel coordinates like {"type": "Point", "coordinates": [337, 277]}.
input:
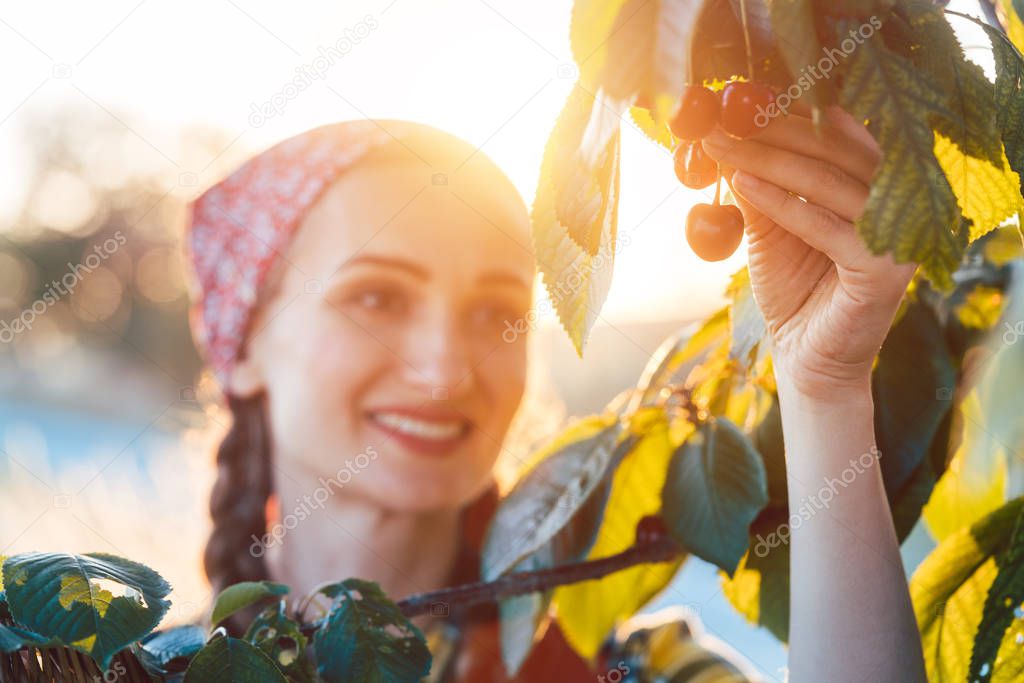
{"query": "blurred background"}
{"type": "Point", "coordinates": [113, 116]}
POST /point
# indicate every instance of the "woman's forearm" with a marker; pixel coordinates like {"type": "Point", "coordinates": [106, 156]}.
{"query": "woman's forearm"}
{"type": "Point", "coordinates": [851, 614]}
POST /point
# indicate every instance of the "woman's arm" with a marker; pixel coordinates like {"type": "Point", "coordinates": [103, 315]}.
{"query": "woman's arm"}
{"type": "Point", "coordinates": [828, 304]}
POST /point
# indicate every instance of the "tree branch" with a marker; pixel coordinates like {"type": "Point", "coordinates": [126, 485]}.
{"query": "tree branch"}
{"type": "Point", "coordinates": [660, 549]}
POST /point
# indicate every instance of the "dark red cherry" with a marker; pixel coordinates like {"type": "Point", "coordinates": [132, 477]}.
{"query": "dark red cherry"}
{"type": "Point", "coordinates": [696, 113]}
{"type": "Point", "coordinates": [745, 108]}
{"type": "Point", "coordinates": [694, 167]}
{"type": "Point", "coordinates": [714, 232]}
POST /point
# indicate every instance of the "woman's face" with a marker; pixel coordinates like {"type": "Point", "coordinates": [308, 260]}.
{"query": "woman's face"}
{"type": "Point", "coordinates": [383, 348]}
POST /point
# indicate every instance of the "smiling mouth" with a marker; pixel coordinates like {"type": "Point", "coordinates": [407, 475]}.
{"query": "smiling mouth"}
{"type": "Point", "coordinates": [420, 434]}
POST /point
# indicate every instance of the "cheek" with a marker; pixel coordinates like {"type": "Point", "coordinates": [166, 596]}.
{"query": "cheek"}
{"type": "Point", "coordinates": [502, 377]}
{"type": "Point", "coordinates": [319, 370]}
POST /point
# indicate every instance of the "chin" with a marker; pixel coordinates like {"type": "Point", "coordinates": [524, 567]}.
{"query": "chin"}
{"type": "Point", "coordinates": [441, 489]}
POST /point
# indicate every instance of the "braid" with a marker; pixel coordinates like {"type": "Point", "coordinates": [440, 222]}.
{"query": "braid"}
{"type": "Point", "coordinates": [238, 501]}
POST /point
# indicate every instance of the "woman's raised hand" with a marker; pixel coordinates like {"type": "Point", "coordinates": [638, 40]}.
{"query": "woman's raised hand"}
{"type": "Point", "coordinates": [827, 300]}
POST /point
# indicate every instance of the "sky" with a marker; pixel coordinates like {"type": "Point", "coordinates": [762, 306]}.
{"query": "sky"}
{"type": "Point", "coordinates": [490, 71]}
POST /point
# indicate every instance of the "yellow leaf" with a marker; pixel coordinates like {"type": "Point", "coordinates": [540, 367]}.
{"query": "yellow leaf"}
{"type": "Point", "coordinates": [1014, 23]}
{"type": "Point", "coordinates": [1005, 245]}
{"type": "Point", "coordinates": [658, 132]}
{"type": "Point", "coordinates": [974, 484]}
{"type": "Point", "coordinates": [589, 29]}
{"type": "Point", "coordinates": [987, 195]}
{"type": "Point", "coordinates": [577, 280]}
{"type": "Point", "coordinates": [2, 559]}
{"type": "Point", "coordinates": [981, 307]}
{"type": "Point", "coordinates": [577, 430]}
{"type": "Point", "coordinates": [76, 588]}
{"type": "Point", "coordinates": [588, 611]}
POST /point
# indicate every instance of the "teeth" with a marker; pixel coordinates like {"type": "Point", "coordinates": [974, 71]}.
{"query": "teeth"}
{"type": "Point", "coordinates": [420, 428]}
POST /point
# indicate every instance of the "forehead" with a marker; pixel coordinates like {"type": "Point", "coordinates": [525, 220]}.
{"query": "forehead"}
{"type": "Point", "coordinates": [472, 221]}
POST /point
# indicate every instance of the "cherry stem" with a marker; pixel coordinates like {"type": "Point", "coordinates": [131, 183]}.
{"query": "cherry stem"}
{"type": "Point", "coordinates": [718, 184]}
{"type": "Point", "coordinates": [746, 40]}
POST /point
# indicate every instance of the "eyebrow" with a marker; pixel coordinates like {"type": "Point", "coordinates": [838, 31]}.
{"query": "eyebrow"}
{"type": "Point", "coordinates": [497, 277]}
{"type": "Point", "coordinates": [386, 261]}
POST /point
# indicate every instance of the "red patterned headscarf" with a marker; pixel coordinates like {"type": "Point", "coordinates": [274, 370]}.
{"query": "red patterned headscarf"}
{"type": "Point", "coordinates": [241, 225]}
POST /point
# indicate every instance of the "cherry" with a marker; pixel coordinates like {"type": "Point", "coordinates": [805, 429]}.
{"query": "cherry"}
{"type": "Point", "coordinates": [694, 167]}
{"type": "Point", "coordinates": [744, 105]}
{"type": "Point", "coordinates": [696, 114]}
{"type": "Point", "coordinates": [714, 231]}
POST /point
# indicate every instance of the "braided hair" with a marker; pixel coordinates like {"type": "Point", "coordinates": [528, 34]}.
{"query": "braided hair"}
{"type": "Point", "coordinates": [238, 501]}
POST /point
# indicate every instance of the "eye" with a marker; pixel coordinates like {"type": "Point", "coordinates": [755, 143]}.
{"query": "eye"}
{"type": "Point", "coordinates": [380, 299]}
{"type": "Point", "coordinates": [494, 314]}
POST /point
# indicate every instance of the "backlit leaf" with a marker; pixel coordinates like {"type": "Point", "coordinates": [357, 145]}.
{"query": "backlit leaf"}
{"type": "Point", "coordinates": [911, 209]}
{"type": "Point", "coordinates": [950, 587]}
{"type": "Point", "coordinates": [588, 611]}
{"type": "Point", "coordinates": [544, 501]}
{"type": "Point", "coordinates": [577, 277]}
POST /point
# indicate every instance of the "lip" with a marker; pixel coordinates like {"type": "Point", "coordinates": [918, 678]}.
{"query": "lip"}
{"type": "Point", "coordinates": [418, 444]}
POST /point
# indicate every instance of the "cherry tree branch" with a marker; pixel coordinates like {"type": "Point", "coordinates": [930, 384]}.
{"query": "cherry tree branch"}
{"type": "Point", "coordinates": [660, 549]}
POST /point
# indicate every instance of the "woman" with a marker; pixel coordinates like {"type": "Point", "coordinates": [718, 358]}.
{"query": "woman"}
{"type": "Point", "coordinates": [352, 287]}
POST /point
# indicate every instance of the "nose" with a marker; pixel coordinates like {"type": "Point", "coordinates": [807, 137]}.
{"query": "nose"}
{"type": "Point", "coordinates": [438, 356]}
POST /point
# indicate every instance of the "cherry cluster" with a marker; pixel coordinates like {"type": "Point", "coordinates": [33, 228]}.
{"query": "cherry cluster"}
{"type": "Point", "coordinates": [713, 231]}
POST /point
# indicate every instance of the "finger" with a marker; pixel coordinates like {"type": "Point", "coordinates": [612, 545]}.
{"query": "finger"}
{"type": "Point", "coordinates": [818, 227]}
{"type": "Point", "coordinates": [844, 141]}
{"type": "Point", "coordinates": [819, 181]}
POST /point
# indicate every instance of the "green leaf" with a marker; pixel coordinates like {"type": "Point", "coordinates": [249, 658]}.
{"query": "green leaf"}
{"type": "Point", "coordinates": [547, 498]}
{"type": "Point", "coordinates": [169, 651]}
{"type": "Point", "coordinates": [907, 501]}
{"type": "Point", "coordinates": [793, 26]}
{"type": "Point", "coordinates": [1009, 97]}
{"type": "Point", "coordinates": [574, 218]}
{"type": "Point", "coordinates": [243, 594]}
{"type": "Point", "coordinates": [970, 95]}
{"type": "Point", "coordinates": [71, 598]}
{"type": "Point", "coordinates": [759, 588]}
{"type": "Point", "coordinates": [950, 587]}
{"type": "Point", "coordinates": [524, 618]}
{"type": "Point", "coordinates": [232, 659]}
{"type": "Point", "coordinates": [715, 487]}
{"type": "Point", "coordinates": [13, 638]}
{"type": "Point", "coordinates": [1003, 604]}
{"type": "Point", "coordinates": [911, 209]}
{"type": "Point", "coordinates": [912, 385]}
{"type": "Point", "coordinates": [281, 639]}
{"type": "Point", "coordinates": [767, 440]}
{"type": "Point", "coordinates": [366, 638]}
